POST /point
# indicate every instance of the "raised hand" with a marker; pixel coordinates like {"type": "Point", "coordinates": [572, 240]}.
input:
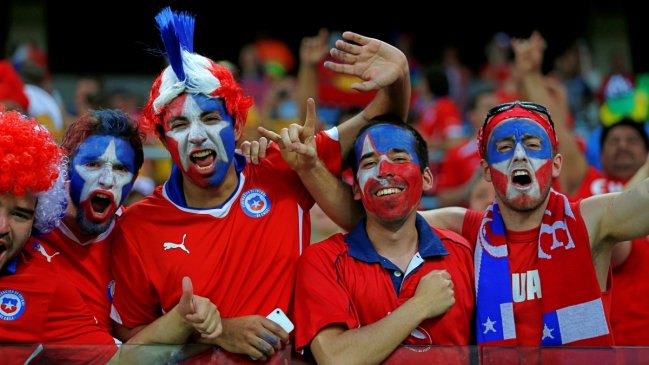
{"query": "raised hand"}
{"type": "Point", "coordinates": [314, 49]}
{"type": "Point", "coordinates": [529, 53]}
{"type": "Point", "coordinates": [255, 150]}
{"type": "Point", "coordinates": [297, 142]}
{"type": "Point", "coordinates": [199, 312]}
{"type": "Point", "coordinates": [255, 336]}
{"type": "Point", "coordinates": [377, 63]}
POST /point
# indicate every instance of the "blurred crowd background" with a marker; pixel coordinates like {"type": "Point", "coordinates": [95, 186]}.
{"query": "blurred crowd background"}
{"type": "Point", "coordinates": [72, 57]}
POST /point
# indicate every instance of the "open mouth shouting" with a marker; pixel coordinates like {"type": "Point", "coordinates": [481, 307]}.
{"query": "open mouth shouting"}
{"type": "Point", "coordinates": [100, 206]}
{"type": "Point", "coordinates": [521, 179]}
{"type": "Point", "coordinates": [203, 159]}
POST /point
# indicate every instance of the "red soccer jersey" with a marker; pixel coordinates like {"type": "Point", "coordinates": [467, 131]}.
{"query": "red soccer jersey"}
{"type": "Point", "coordinates": [458, 166]}
{"type": "Point", "coordinates": [630, 297]}
{"type": "Point", "coordinates": [440, 120]}
{"type": "Point", "coordinates": [344, 281]}
{"type": "Point", "coordinates": [242, 255]}
{"type": "Point", "coordinates": [86, 264]}
{"type": "Point", "coordinates": [39, 305]}
{"type": "Point", "coordinates": [595, 183]}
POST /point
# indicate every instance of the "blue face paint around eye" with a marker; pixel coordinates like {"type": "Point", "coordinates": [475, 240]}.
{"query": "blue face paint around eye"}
{"type": "Point", "coordinates": [209, 104]}
{"type": "Point", "coordinates": [518, 129]}
{"type": "Point", "coordinates": [385, 137]}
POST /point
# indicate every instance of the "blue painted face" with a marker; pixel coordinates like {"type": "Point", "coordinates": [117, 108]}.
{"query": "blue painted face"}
{"type": "Point", "coordinates": [518, 131]}
{"type": "Point", "coordinates": [101, 175]}
{"type": "Point", "coordinates": [200, 137]}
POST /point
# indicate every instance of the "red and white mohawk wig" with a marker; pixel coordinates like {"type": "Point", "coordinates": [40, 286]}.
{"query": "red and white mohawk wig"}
{"type": "Point", "coordinates": [189, 72]}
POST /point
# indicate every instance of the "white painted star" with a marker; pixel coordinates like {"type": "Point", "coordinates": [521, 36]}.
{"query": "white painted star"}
{"type": "Point", "coordinates": [547, 332]}
{"type": "Point", "coordinates": [92, 176]}
{"type": "Point", "coordinates": [489, 326]}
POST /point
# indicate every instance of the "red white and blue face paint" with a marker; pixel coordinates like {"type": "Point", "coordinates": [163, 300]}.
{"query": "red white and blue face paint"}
{"type": "Point", "coordinates": [519, 153]}
{"type": "Point", "coordinates": [200, 137]}
{"type": "Point", "coordinates": [101, 176]}
{"type": "Point", "coordinates": [389, 177]}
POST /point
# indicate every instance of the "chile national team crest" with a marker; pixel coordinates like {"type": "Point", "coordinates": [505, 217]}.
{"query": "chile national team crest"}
{"type": "Point", "coordinates": [255, 203]}
{"type": "Point", "coordinates": [12, 304]}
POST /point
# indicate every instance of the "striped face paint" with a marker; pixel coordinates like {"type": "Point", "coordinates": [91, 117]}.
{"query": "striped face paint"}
{"type": "Point", "coordinates": [389, 177]}
{"type": "Point", "coordinates": [101, 176]}
{"type": "Point", "coordinates": [200, 137]}
{"type": "Point", "coordinates": [519, 153]}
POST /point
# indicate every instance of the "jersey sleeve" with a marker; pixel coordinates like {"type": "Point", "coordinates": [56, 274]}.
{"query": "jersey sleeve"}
{"type": "Point", "coordinates": [328, 146]}
{"type": "Point", "coordinates": [135, 302]}
{"type": "Point", "coordinates": [320, 299]}
{"type": "Point", "coordinates": [471, 226]}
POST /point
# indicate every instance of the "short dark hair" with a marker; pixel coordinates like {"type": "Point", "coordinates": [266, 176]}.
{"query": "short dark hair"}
{"type": "Point", "coordinates": [639, 127]}
{"type": "Point", "coordinates": [106, 122]}
{"type": "Point", "coordinates": [421, 148]}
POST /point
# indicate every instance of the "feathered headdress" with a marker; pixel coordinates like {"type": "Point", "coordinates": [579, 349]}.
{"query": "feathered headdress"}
{"type": "Point", "coordinates": [190, 73]}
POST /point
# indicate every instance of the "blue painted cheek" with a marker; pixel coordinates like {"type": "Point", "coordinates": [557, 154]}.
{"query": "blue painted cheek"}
{"type": "Point", "coordinates": [76, 186]}
{"type": "Point", "coordinates": [125, 190]}
{"type": "Point", "coordinates": [227, 137]}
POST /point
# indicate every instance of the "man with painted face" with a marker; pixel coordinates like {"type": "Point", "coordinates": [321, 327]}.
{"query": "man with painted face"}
{"type": "Point", "coordinates": [37, 303]}
{"type": "Point", "coordinates": [235, 229]}
{"type": "Point", "coordinates": [104, 156]}
{"type": "Point", "coordinates": [359, 296]}
{"type": "Point", "coordinates": [550, 256]}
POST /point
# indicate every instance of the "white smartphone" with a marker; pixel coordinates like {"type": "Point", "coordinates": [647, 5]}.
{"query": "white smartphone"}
{"type": "Point", "coordinates": [278, 316]}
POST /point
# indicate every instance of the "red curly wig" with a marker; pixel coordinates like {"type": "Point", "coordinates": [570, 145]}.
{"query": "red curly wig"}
{"type": "Point", "coordinates": [29, 157]}
{"type": "Point", "coordinates": [236, 103]}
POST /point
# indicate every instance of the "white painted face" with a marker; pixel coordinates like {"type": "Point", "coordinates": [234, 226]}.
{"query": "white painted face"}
{"type": "Point", "coordinates": [101, 176]}
{"type": "Point", "coordinates": [200, 137]}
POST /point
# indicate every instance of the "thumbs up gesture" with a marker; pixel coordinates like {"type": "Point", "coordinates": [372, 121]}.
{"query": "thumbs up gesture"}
{"type": "Point", "coordinates": [199, 312]}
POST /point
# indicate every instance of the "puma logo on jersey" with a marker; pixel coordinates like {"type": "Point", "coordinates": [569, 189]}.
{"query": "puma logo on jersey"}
{"type": "Point", "coordinates": [181, 245]}
{"type": "Point", "coordinates": [38, 247]}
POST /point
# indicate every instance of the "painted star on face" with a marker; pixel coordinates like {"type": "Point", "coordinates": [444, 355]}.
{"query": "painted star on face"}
{"type": "Point", "coordinates": [200, 137]}
{"type": "Point", "coordinates": [95, 178]}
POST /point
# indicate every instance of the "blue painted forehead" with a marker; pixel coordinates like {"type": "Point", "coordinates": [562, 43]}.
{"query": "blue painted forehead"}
{"type": "Point", "coordinates": [518, 128]}
{"type": "Point", "coordinates": [383, 137]}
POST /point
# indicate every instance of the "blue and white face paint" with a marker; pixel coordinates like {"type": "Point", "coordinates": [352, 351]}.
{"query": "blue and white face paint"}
{"type": "Point", "coordinates": [519, 153]}
{"type": "Point", "coordinates": [101, 175]}
{"type": "Point", "coordinates": [200, 137]}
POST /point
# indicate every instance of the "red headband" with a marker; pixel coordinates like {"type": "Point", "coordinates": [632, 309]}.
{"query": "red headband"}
{"type": "Point", "coordinates": [515, 112]}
